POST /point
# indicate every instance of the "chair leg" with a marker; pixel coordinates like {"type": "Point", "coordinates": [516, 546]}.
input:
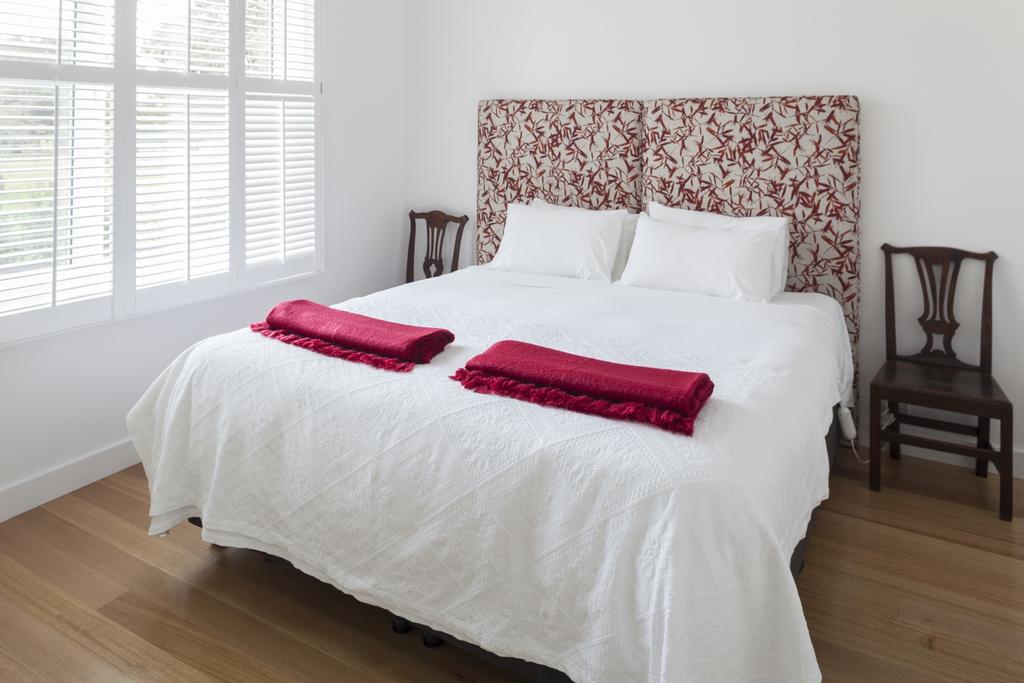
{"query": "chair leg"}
{"type": "Point", "coordinates": [894, 448]}
{"type": "Point", "coordinates": [984, 436]}
{"type": "Point", "coordinates": [875, 476]}
{"type": "Point", "coordinates": [1006, 468]}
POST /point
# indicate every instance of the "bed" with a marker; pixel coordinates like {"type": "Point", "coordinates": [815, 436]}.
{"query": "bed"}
{"type": "Point", "coordinates": [607, 550]}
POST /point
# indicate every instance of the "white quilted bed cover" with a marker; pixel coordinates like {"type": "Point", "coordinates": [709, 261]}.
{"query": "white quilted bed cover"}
{"type": "Point", "coordinates": [610, 550]}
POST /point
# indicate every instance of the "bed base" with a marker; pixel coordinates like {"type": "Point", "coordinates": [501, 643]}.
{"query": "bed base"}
{"type": "Point", "coordinates": [796, 561]}
{"type": "Point", "coordinates": [539, 673]}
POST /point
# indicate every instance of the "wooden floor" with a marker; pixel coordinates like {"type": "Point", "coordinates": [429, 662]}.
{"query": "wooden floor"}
{"type": "Point", "coordinates": [920, 582]}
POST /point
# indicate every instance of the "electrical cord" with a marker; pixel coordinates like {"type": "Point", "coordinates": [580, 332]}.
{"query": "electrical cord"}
{"type": "Point", "coordinates": [853, 447]}
{"type": "Point", "coordinates": [887, 419]}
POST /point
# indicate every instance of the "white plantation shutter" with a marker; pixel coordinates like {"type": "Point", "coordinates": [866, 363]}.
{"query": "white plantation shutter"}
{"type": "Point", "coordinates": [87, 32]}
{"type": "Point", "coordinates": [182, 151]}
{"type": "Point", "coordinates": [56, 164]}
{"type": "Point", "coordinates": [211, 142]}
{"type": "Point", "coordinates": [182, 35]}
{"type": "Point", "coordinates": [279, 39]}
{"type": "Point", "coordinates": [80, 32]}
{"type": "Point", "coordinates": [27, 196]}
{"type": "Point", "coordinates": [280, 135]}
{"type": "Point", "coordinates": [56, 195]}
{"type": "Point", "coordinates": [209, 189]}
{"type": "Point", "coordinates": [280, 173]}
{"type": "Point", "coordinates": [161, 188]}
{"type": "Point", "coordinates": [85, 193]}
{"type": "Point", "coordinates": [182, 191]}
{"type": "Point", "coordinates": [28, 30]}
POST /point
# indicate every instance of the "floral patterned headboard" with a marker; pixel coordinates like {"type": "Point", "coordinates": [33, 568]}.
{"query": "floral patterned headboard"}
{"type": "Point", "coordinates": [784, 156]}
{"type": "Point", "coordinates": [568, 152]}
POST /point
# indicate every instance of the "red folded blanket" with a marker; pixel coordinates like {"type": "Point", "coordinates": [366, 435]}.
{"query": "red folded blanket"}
{"type": "Point", "coordinates": [382, 344]}
{"type": "Point", "coordinates": [670, 399]}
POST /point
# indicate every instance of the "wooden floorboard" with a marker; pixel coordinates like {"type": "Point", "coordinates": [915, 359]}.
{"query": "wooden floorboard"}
{"type": "Point", "coordinates": [920, 582]}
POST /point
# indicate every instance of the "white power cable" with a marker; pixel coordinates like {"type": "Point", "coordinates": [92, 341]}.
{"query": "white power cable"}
{"type": "Point", "coordinates": [848, 428]}
{"type": "Point", "coordinates": [887, 419]}
{"type": "Point", "coordinates": [853, 447]}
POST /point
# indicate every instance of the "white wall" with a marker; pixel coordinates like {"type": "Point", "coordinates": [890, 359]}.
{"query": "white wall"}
{"type": "Point", "coordinates": [63, 398]}
{"type": "Point", "coordinates": [939, 84]}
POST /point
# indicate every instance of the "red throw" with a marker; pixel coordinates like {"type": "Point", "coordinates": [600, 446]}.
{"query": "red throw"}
{"type": "Point", "coordinates": [359, 338]}
{"type": "Point", "coordinates": [670, 399]}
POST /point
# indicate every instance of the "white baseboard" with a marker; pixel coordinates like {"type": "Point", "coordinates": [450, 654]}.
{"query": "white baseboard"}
{"type": "Point", "coordinates": [41, 488]}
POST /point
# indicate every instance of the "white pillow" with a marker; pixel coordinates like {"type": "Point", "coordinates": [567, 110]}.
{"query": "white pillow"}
{"type": "Point", "coordinates": [734, 264]}
{"type": "Point", "coordinates": [702, 219]}
{"type": "Point", "coordinates": [625, 242]}
{"type": "Point", "coordinates": [552, 241]}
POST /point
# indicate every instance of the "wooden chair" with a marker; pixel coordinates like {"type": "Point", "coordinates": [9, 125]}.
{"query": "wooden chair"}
{"type": "Point", "coordinates": [936, 378]}
{"type": "Point", "coordinates": [437, 223]}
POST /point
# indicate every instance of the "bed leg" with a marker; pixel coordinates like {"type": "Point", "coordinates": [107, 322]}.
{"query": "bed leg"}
{"type": "Point", "coordinates": [431, 639]}
{"type": "Point", "coordinates": [400, 625]}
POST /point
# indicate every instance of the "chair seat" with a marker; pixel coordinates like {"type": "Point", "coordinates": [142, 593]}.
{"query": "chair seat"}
{"type": "Point", "coordinates": [943, 387]}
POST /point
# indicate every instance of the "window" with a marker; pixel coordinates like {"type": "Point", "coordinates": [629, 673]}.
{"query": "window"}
{"type": "Point", "coordinates": [280, 133]}
{"type": "Point", "coordinates": [56, 162]}
{"type": "Point", "coordinates": [201, 113]}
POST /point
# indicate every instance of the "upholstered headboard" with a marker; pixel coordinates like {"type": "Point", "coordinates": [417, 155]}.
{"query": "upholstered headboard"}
{"type": "Point", "coordinates": [568, 152]}
{"type": "Point", "coordinates": [785, 156]}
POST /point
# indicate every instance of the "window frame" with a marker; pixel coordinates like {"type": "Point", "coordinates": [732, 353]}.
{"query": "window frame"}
{"type": "Point", "coordinates": [125, 79]}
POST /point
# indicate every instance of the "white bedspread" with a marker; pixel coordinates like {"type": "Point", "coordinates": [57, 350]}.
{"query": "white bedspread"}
{"type": "Point", "coordinates": [609, 550]}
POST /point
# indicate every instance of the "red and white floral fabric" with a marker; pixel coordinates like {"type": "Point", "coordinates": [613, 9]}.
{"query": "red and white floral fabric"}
{"type": "Point", "coordinates": [779, 156]}
{"type": "Point", "coordinates": [569, 152]}
{"type": "Point", "coordinates": [784, 156]}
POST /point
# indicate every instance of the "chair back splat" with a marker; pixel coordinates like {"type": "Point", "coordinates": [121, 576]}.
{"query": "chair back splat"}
{"type": "Point", "coordinates": [938, 269]}
{"type": "Point", "coordinates": [437, 224]}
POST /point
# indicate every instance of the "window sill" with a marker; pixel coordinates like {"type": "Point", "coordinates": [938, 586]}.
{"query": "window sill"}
{"type": "Point", "coordinates": [31, 326]}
